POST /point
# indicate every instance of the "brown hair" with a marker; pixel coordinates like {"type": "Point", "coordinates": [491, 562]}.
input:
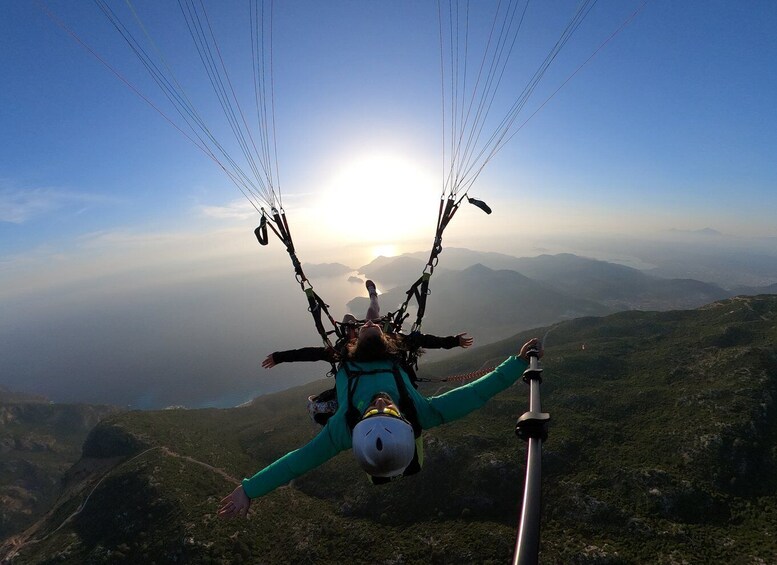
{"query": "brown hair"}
{"type": "Point", "coordinates": [373, 348]}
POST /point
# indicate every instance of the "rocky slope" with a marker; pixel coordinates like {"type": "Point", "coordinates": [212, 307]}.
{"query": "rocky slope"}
{"type": "Point", "coordinates": [661, 450]}
{"type": "Point", "coordinates": [39, 441]}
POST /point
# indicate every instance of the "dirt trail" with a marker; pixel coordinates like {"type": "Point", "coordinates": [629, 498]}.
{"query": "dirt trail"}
{"type": "Point", "coordinates": [14, 544]}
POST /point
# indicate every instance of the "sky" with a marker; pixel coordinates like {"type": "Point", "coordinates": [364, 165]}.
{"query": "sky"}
{"type": "Point", "coordinates": [671, 125]}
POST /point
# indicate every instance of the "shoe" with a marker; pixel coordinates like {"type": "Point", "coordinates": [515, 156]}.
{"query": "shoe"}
{"type": "Point", "coordinates": [349, 326]}
{"type": "Point", "coordinates": [370, 286]}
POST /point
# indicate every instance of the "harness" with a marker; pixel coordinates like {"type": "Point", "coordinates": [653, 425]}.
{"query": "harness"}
{"type": "Point", "coordinates": [323, 405]}
{"type": "Point", "coordinates": [354, 372]}
{"type": "Point", "coordinates": [316, 305]}
{"type": "Point", "coordinates": [276, 221]}
{"type": "Point", "coordinates": [405, 404]}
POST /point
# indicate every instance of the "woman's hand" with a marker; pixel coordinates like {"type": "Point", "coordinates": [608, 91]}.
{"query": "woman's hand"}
{"type": "Point", "coordinates": [533, 343]}
{"type": "Point", "coordinates": [464, 340]}
{"type": "Point", "coordinates": [268, 362]}
{"type": "Point", "coordinates": [236, 504]}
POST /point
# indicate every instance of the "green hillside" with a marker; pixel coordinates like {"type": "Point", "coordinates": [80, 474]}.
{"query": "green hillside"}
{"type": "Point", "coordinates": [39, 441]}
{"type": "Point", "coordinates": [464, 301]}
{"type": "Point", "coordinates": [661, 450]}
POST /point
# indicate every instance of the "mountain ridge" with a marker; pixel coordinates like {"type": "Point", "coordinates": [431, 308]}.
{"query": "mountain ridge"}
{"type": "Point", "coordinates": [660, 450]}
{"type": "Point", "coordinates": [490, 303]}
{"type": "Point", "coordinates": [616, 286]}
{"type": "Point", "coordinates": [39, 441]}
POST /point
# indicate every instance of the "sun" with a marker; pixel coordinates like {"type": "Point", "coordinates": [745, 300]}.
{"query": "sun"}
{"type": "Point", "coordinates": [384, 250]}
{"type": "Point", "coordinates": [380, 199]}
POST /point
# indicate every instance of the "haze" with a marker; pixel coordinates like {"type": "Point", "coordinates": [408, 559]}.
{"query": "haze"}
{"type": "Point", "coordinates": [128, 270]}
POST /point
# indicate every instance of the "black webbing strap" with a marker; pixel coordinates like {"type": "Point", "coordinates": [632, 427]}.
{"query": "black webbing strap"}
{"type": "Point", "coordinates": [480, 204]}
{"type": "Point", "coordinates": [261, 231]}
{"type": "Point", "coordinates": [420, 296]}
{"type": "Point", "coordinates": [405, 403]}
{"type": "Point", "coordinates": [352, 415]}
{"type": "Point", "coordinates": [316, 306]}
{"type": "Point", "coordinates": [420, 288]}
{"type": "Point", "coordinates": [406, 407]}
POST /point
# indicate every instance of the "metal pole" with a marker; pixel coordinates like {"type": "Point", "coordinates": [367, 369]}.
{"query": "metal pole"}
{"type": "Point", "coordinates": [532, 427]}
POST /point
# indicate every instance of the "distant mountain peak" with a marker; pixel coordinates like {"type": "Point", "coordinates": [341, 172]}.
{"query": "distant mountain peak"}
{"type": "Point", "coordinates": [703, 231]}
{"type": "Point", "coordinates": [326, 269]}
{"type": "Point", "coordinates": [477, 267]}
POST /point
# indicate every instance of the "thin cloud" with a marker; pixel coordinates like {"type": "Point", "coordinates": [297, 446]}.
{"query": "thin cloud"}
{"type": "Point", "coordinates": [119, 238]}
{"type": "Point", "coordinates": [146, 258]}
{"type": "Point", "coordinates": [235, 210]}
{"type": "Point", "coordinates": [20, 205]}
{"type": "Point", "coordinates": [241, 209]}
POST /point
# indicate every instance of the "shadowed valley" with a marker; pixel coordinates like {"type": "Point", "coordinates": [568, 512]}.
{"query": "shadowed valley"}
{"type": "Point", "coordinates": [661, 450]}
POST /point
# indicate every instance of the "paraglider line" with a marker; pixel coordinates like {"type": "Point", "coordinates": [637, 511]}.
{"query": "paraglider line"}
{"type": "Point", "coordinates": [563, 84]}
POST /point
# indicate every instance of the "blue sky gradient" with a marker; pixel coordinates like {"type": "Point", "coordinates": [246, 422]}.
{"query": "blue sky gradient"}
{"type": "Point", "coordinates": [104, 207]}
{"type": "Point", "coordinates": [675, 116]}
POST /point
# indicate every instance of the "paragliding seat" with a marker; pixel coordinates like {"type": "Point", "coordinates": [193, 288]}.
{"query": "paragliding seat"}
{"type": "Point", "coordinates": [322, 406]}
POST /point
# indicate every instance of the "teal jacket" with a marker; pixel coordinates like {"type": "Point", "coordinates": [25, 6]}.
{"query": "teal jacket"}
{"type": "Point", "coordinates": [336, 437]}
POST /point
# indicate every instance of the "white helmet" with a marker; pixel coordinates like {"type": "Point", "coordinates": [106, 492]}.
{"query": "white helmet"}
{"type": "Point", "coordinates": [383, 445]}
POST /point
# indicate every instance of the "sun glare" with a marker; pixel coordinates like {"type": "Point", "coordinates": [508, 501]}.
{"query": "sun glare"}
{"type": "Point", "coordinates": [384, 250]}
{"type": "Point", "coordinates": [381, 199]}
